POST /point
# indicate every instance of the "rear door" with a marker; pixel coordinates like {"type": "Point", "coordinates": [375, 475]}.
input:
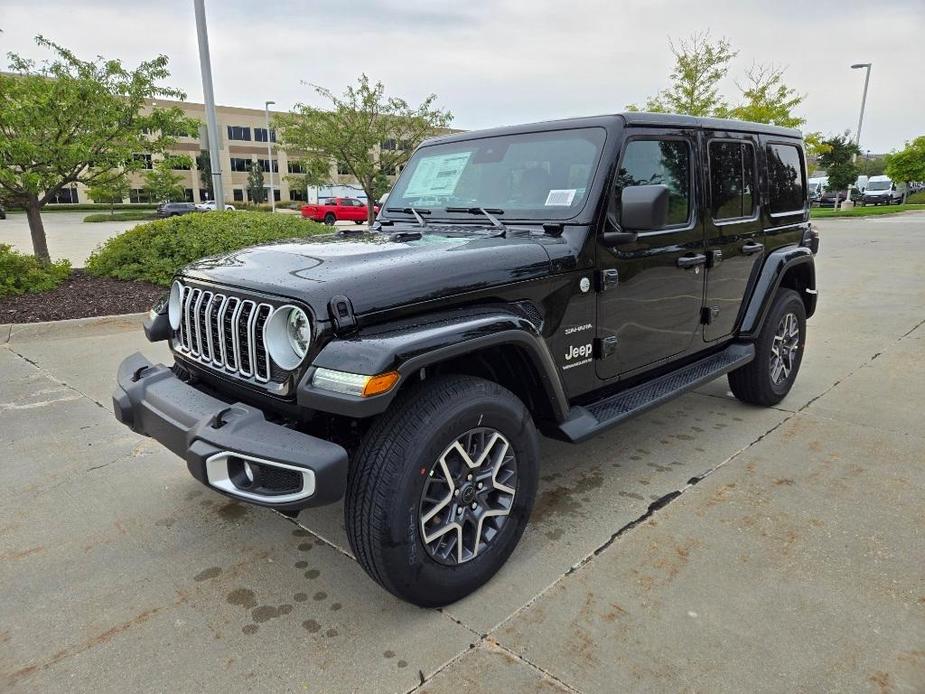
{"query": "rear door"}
{"type": "Point", "coordinates": [651, 291]}
{"type": "Point", "coordinates": [733, 228]}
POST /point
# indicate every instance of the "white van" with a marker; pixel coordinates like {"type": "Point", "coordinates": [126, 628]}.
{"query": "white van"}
{"type": "Point", "coordinates": [882, 191]}
{"type": "Point", "coordinates": [815, 187]}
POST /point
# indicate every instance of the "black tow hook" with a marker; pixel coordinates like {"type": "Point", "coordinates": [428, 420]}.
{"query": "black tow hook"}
{"type": "Point", "coordinates": [139, 373]}
{"type": "Point", "coordinates": [218, 421]}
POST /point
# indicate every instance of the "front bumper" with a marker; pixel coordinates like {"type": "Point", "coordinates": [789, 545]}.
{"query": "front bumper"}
{"type": "Point", "coordinates": [216, 439]}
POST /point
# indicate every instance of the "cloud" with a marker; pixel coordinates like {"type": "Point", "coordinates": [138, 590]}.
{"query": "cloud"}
{"type": "Point", "coordinates": [510, 61]}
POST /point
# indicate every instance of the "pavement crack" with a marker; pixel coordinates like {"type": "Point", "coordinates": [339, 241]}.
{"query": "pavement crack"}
{"type": "Point", "coordinates": [533, 666]}
{"type": "Point", "coordinates": [45, 372]}
{"type": "Point", "coordinates": [321, 540]}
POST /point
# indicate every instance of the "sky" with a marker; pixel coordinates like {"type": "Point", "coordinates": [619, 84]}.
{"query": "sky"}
{"type": "Point", "coordinates": [502, 62]}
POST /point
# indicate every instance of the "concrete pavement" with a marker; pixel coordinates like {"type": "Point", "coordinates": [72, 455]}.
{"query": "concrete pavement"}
{"type": "Point", "coordinates": [707, 546]}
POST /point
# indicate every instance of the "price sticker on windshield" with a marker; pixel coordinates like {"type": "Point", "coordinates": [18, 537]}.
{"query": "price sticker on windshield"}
{"type": "Point", "coordinates": [560, 197]}
{"type": "Point", "coordinates": [437, 175]}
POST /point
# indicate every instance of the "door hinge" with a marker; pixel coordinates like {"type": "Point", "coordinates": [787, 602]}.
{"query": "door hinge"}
{"type": "Point", "coordinates": [714, 258]}
{"type": "Point", "coordinates": [708, 313]}
{"type": "Point", "coordinates": [607, 279]}
{"type": "Point", "coordinates": [605, 346]}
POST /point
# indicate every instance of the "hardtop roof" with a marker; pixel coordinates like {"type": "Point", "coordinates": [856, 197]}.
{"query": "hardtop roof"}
{"type": "Point", "coordinates": [630, 118]}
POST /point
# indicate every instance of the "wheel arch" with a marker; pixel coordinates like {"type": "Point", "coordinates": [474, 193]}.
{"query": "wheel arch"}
{"type": "Point", "coordinates": [792, 267]}
{"type": "Point", "coordinates": [500, 345]}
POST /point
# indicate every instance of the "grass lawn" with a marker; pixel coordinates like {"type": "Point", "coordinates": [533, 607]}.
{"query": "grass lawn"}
{"type": "Point", "coordinates": [867, 211]}
{"type": "Point", "coordinates": [131, 216]}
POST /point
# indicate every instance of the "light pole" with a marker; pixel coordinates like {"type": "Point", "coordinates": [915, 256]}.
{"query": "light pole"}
{"type": "Point", "coordinates": [205, 65]}
{"type": "Point", "coordinates": [857, 135]}
{"type": "Point", "coordinates": [266, 112]}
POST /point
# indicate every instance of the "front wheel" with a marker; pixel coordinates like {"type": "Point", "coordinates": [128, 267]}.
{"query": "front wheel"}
{"type": "Point", "coordinates": [329, 219]}
{"type": "Point", "coordinates": [441, 489]}
{"type": "Point", "coordinates": [767, 379]}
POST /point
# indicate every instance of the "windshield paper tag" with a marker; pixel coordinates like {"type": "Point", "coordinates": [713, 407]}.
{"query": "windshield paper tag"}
{"type": "Point", "coordinates": [562, 197]}
{"type": "Point", "coordinates": [437, 175]}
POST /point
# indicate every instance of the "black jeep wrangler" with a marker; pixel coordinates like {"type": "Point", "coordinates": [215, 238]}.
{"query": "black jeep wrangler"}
{"type": "Point", "coordinates": [555, 278]}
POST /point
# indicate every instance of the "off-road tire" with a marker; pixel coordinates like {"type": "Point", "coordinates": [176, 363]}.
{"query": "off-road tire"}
{"type": "Point", "coordinates": [753, 383]}
{"type": "Point", "coordinates": [389, 470]}
{"type": "Point", "coordinates": [329, 219]}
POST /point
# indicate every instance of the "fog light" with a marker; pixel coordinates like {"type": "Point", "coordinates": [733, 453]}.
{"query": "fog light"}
{"type": "Point", "coordinates": [248, 471]}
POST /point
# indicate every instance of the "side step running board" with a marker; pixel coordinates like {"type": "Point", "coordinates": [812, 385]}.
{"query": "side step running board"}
{"type": "Point", "coordinates": [586, 421]}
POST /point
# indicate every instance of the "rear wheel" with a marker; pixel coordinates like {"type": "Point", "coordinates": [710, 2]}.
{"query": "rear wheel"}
{"type": "Point", "coordinates": [329, 219]}
{"type": "Point", "coordinates": [440, 491]}
{"type": "Point", "coordinates": [767, 379]}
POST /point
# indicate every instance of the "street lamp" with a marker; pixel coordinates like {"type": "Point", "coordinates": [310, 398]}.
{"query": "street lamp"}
{"type": "Point", "coordinates": [266, 111]}
{"type": "Point", "coordinates": [858, 66]}
{"type": "Point", "coordinates": [205, 65]}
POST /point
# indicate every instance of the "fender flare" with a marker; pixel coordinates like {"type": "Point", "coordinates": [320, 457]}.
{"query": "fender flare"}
{"type": "Point", "coordinates": [776, 266]}
{"type": "Point", "coordinates": [420, 343]}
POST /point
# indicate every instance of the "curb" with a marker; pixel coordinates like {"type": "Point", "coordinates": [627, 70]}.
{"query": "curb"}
{"type": "Point", "coordinates": [72, 328]}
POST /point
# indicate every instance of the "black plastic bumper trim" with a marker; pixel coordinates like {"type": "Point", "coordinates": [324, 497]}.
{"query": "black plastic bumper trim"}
{"type": "Point", "coordinates": [196, 426]}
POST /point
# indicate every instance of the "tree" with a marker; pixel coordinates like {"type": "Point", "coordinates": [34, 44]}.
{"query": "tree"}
{"type": "Point", "coordinates": [68, 121]}
{"type": "Point", "coordinates": [204, 165]}
{"type": "Point", "coordinates": [836, 156]}
{"type": "Point", "coordinates": [112, 190]}
{"type": "Point", "coordinates": [767, 99]}
{"type": "Point", "coordinates": [370, 133]}
{"type": "Point", "coordinates": [908, 164]}
{"type": "Point", "coordinates": [255, 189]}
{"type": "Point", "coordinates": [700, 64]}
{"type": "Point", "coordinates": [162, 184]}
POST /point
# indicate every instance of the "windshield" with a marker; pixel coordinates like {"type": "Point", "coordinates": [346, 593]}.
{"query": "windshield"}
{"type": "Point", "coordinates": [543, 175]}
{"type": "Point", "coordinates": [879, 185]}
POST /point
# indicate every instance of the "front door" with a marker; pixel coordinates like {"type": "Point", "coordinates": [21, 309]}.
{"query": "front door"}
{"type": "Point", "coordinates": [734, 239]}
{"type": "Point", "coordinates": [651, 291]}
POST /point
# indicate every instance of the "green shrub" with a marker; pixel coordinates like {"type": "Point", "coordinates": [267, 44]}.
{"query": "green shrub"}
{"type": "Point", "coordinates": [21, 273]}
{"type": "Point", "coordinates": [133, 216]}
{"type": "Point", "coordinates": [916, 198]}
{"type": "Point", "coordinates": [155, 251]}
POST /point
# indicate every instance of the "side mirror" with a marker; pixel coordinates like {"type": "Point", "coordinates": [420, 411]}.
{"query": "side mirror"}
{"type": "Point", "coordinates": [645, 208]}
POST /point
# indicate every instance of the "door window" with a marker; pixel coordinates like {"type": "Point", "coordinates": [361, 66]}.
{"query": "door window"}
{"type": "Point", "coordinates": [732, 180]}
{"type": "Point", "coordinates": [786, 178]}
{"type": "Point", "coordinates": [653, 162]}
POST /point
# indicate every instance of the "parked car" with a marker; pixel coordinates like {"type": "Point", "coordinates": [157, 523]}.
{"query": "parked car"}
{"type": "Point", "coordinates": [174, 209]}
{"type": "Point", "coordinates": [555, 278]}
{"type": "Point", "coordinates": [209, 206]}
{"type": "Point", "coordinates": [827, 199]}
{"type": "Point", "coordinates": [333, 210]}
{"type": "Point", "coordinates": [883, 191]}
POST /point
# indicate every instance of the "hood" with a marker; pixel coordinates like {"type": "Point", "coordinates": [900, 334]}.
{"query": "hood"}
{"type": "Point", "coordinates": [375, 273]}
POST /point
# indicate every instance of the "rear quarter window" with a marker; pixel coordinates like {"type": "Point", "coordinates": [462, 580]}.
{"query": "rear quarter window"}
{"type": "Point", "coordinates": [786, 179]}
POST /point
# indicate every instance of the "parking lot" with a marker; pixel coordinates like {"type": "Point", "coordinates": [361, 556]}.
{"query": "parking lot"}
{"type": "Point", "coordinates": [707, 546]}
{"type": "Point", "coordinates": [72, 238]}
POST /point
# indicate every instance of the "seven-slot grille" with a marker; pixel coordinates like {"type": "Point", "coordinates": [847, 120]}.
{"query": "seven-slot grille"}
{"type": "Point", "coordinates": [224, 332]}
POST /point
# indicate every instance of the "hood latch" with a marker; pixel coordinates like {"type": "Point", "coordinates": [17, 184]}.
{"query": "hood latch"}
{"type": "Point", "coordinates": [341, 311]}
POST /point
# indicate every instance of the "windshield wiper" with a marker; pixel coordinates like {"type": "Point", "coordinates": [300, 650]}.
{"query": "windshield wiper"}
{"type": "Point", "coordinates": [490, 213]}
{"type": "Point", "coordinates": [410, 210]}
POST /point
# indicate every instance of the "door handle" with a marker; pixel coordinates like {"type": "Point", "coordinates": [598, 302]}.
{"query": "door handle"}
{"type": "Point", "coordinates": [692, 260]}
{"type": "Point", "coordinates": [752, 247]}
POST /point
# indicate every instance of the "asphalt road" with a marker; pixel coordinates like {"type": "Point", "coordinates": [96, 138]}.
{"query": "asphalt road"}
{"type": "Point", "coordinates": [69, 236]}
{"type": "Point", "coordinates": [707, 546]}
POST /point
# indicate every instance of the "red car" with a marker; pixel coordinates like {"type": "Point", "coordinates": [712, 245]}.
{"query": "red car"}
{"type": "Point", "coordinates": [332, 210]}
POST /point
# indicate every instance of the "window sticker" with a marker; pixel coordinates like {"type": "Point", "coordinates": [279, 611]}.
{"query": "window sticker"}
{"type": "Point", "coordinates": [437, 175]}
{"type": "Point", "coordinates": [560, 198]}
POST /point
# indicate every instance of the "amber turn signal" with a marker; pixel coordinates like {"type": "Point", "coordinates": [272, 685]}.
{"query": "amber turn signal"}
{"type": "Point", "coordinates": [380, 384]}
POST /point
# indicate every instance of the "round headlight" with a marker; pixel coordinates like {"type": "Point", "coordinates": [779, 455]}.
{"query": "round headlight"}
{"type": "Point", "coordinates": [174, 305]}
{"type": "Point", "coordinates": [288, 335]}
{"type": "Point", "coordinates": [299, 331]}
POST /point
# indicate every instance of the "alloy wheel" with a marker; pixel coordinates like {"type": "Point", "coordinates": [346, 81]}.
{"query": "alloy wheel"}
{"type": "Point", "coordinates": [784, 348]}
{"type": "Point", "coordinates": [468, 496]}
